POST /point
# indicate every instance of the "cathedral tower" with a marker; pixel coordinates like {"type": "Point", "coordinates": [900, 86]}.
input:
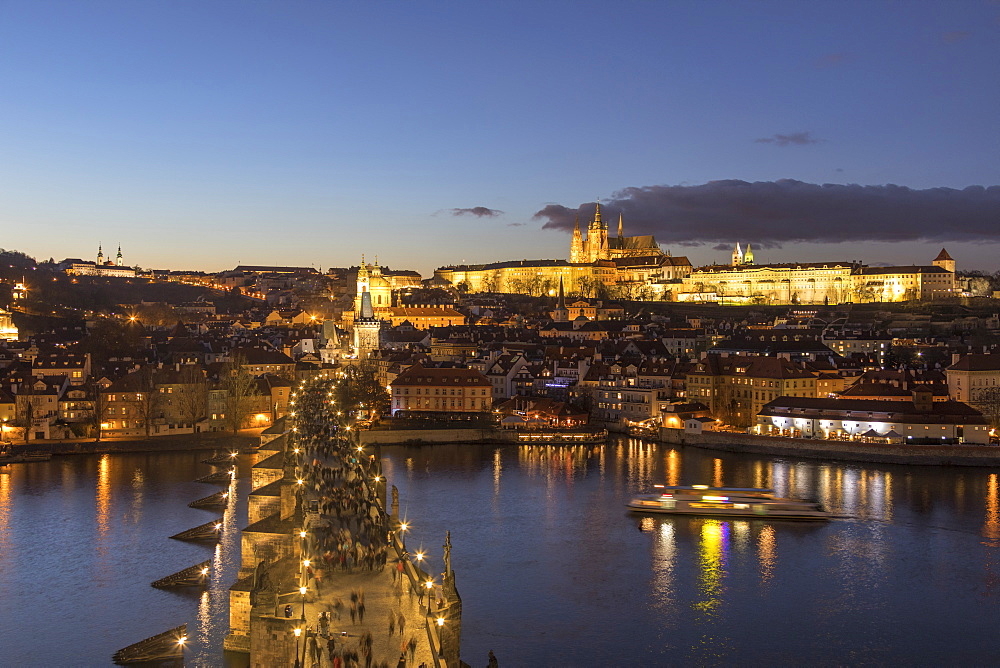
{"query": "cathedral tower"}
{"type": "Point", "coordinates": [118, 260]}
{"type": "Point", "coordinates": [576, 245]}
{"type": "Point", "coordinates": [737, 255]}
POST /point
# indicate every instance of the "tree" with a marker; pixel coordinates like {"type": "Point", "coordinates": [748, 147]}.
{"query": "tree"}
{"type": "Point", "coordinates": [100, 410]}
{"type": "Point", "coordinates": [360, 388]}
{"type": "Point", "coordinates": [987, 402]}
{"type": "Point", "coordinates": [241, 391]}
{"type": "Point", "coordinates": [192, 394]}
{"type": "Point", "coordinates": [147, 402]}
{"type": "Point", "coordinates": [25, 410]}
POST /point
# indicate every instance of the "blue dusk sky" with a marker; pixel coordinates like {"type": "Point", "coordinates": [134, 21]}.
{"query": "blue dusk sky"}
{"type": "Point", "coordinates": [199, 135]}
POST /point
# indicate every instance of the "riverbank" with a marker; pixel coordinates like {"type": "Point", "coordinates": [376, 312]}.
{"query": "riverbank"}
{"type": "Point", "coordinates": [204, 441]}
{"type": "Point", "coordinates": [918, 455]}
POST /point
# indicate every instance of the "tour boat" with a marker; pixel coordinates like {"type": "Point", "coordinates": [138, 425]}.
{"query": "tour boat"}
{"type": "Point", "coordinates": [557, 437]}
{"type": "Point", "coordinates": [736, 502]}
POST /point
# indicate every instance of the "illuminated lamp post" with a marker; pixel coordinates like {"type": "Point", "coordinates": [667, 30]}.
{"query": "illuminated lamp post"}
{"type": "Point", "coordinates": [297, 632]}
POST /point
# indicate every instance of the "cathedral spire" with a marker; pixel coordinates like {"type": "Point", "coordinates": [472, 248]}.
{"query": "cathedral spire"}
{"type": "Point", "coordinates": [597, 214]}
{"type": "Point", "coordinates": [620, 226]}
{"type": "Point", "coordinates": [562, 294]}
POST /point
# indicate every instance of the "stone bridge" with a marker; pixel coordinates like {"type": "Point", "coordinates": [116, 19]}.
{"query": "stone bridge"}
{"type": "Point", "coordinates": [326, 578]}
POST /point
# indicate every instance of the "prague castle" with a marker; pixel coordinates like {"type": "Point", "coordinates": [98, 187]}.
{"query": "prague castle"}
{"type": "Point", "coordinates": [598, 262]}
{"type": "Point", "coordinates": [636, 268]}
{"type": "Point", "coordinates": [816, 282]}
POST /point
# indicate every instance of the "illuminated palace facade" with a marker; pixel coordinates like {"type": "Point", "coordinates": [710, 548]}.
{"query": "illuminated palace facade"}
{"type": "Point", "coordinates": [638, 269]}
{"type": "Point", "coordinates": [817, 282]}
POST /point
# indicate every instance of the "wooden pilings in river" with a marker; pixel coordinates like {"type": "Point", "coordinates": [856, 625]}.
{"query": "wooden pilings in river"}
{"type": "Point", "coordinates": [161, 647]}
{"type": "Point", "coordinates": [207, 532]}
{"type": "Point", "coordinates": [193, 576]}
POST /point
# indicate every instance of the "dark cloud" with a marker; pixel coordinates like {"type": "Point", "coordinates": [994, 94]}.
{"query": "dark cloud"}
{"type": "Point", "coordinates": [770, 213]}
{"type": "Point", "coordinates": [793, 139]}
{"type": "Point", "coordinates": [955, 36]}
{"type": "Point", "coordinates": [477, 211]}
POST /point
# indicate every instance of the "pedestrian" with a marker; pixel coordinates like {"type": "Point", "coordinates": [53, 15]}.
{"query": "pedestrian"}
{"type": "Point", "coordinates": [354, 612]}
{"type": "Point", "coordinates": [392, 625]}
{"type": "Point", "coordinates": [402, 660]}
{"type": "Point", "coordinates": [331, 646]}
{"type": "Point", "coordinates": [402, 622]}
{"type": "Point", "coordinates": [412, 646]}
{"type": "Point", "coordinates": [361, 612]}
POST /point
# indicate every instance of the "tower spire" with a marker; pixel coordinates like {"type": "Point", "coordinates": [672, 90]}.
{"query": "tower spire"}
{"type": "Point", "coordinates": [597, 214]}
{"type": "Point", "coordinates": [620, 225]}
{"type": "Point", "coordinates": [562, 294]}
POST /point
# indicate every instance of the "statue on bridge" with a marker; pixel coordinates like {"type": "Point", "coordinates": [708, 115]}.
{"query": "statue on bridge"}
{"type": "Point", "coordinates": [447, 553]}
{"type": "Point", "coordinates": [395, 501]}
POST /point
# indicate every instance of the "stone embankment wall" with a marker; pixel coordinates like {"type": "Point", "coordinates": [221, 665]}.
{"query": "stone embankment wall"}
{"type": "Point", "coordinates": [428, 436]}
{"type": "Point", "coordinates": [203, 441]}
{"type": "Point", "coordinates": [923, 455]}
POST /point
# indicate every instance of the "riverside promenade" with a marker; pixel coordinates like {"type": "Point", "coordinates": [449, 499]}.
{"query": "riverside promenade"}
{"type": "Point", "coordinates": [326, 577]}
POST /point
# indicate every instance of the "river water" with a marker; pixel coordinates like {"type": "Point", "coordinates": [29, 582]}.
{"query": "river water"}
{"type": "Point", "coordinates": [551, 569]}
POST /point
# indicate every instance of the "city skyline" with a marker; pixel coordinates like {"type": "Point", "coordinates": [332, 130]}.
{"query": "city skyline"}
{"type": "Point", "coordinates": [201, 137]}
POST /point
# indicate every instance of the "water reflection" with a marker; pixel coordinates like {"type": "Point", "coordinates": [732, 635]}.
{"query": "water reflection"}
{"type": "Point", "coordinates": [991, 527]}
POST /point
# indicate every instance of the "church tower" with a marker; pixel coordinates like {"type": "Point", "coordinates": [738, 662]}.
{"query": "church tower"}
{"type": "Point", "coordinates": [100, 254]}
{"type": "Point", "coordinates": [118, 260]}
{"type": "Point", "coordinates": [366, 329]}
{"type": "Point", "coordinates": [748, 256]}
{"type": "Point", "coordinates": [620, 229]}
{"type": "Point", "coordinates": [737, 255]}
{"type": "Point", "coordinates": [576, 246]}
{"type": "Point", "coordinates": [560, 313]}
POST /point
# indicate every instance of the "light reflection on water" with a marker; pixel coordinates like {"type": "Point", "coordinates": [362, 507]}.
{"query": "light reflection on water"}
{"type": "Point", "coordinates": [554, 572]}
{"type": "Point", "coordinates": [82, 537]}
{"type": "Point", "coordinates": [563, 560]}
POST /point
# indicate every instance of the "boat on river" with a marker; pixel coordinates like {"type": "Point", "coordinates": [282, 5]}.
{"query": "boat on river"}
{"type": "Point", "coordinates": [563, 437]}
{"type": "Point", "coordinates": [8, 456]}
{"type": "Point", "coordinates": [725, 502]}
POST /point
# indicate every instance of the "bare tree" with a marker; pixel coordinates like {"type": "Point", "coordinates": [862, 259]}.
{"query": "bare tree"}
{"type": "Point", "coordinates": [147, 402]}
{"type": "Point", "coordinates": [241, 391]}
{"type": "Point", "coordinates": [987, 402]}
{"type": "Point", "coordinates": [25, 410]}
{"type": "Point", "coordinates": [192, 394]}
{"type": "Point", "coordinates": [99, 400]}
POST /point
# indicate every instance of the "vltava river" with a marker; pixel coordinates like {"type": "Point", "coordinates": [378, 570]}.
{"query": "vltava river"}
{"type": "Point", "coordinates": [551, 569]}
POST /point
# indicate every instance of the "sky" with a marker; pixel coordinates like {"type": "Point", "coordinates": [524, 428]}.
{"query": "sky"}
{"type": "Point", "coordinates": [200, 135]}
